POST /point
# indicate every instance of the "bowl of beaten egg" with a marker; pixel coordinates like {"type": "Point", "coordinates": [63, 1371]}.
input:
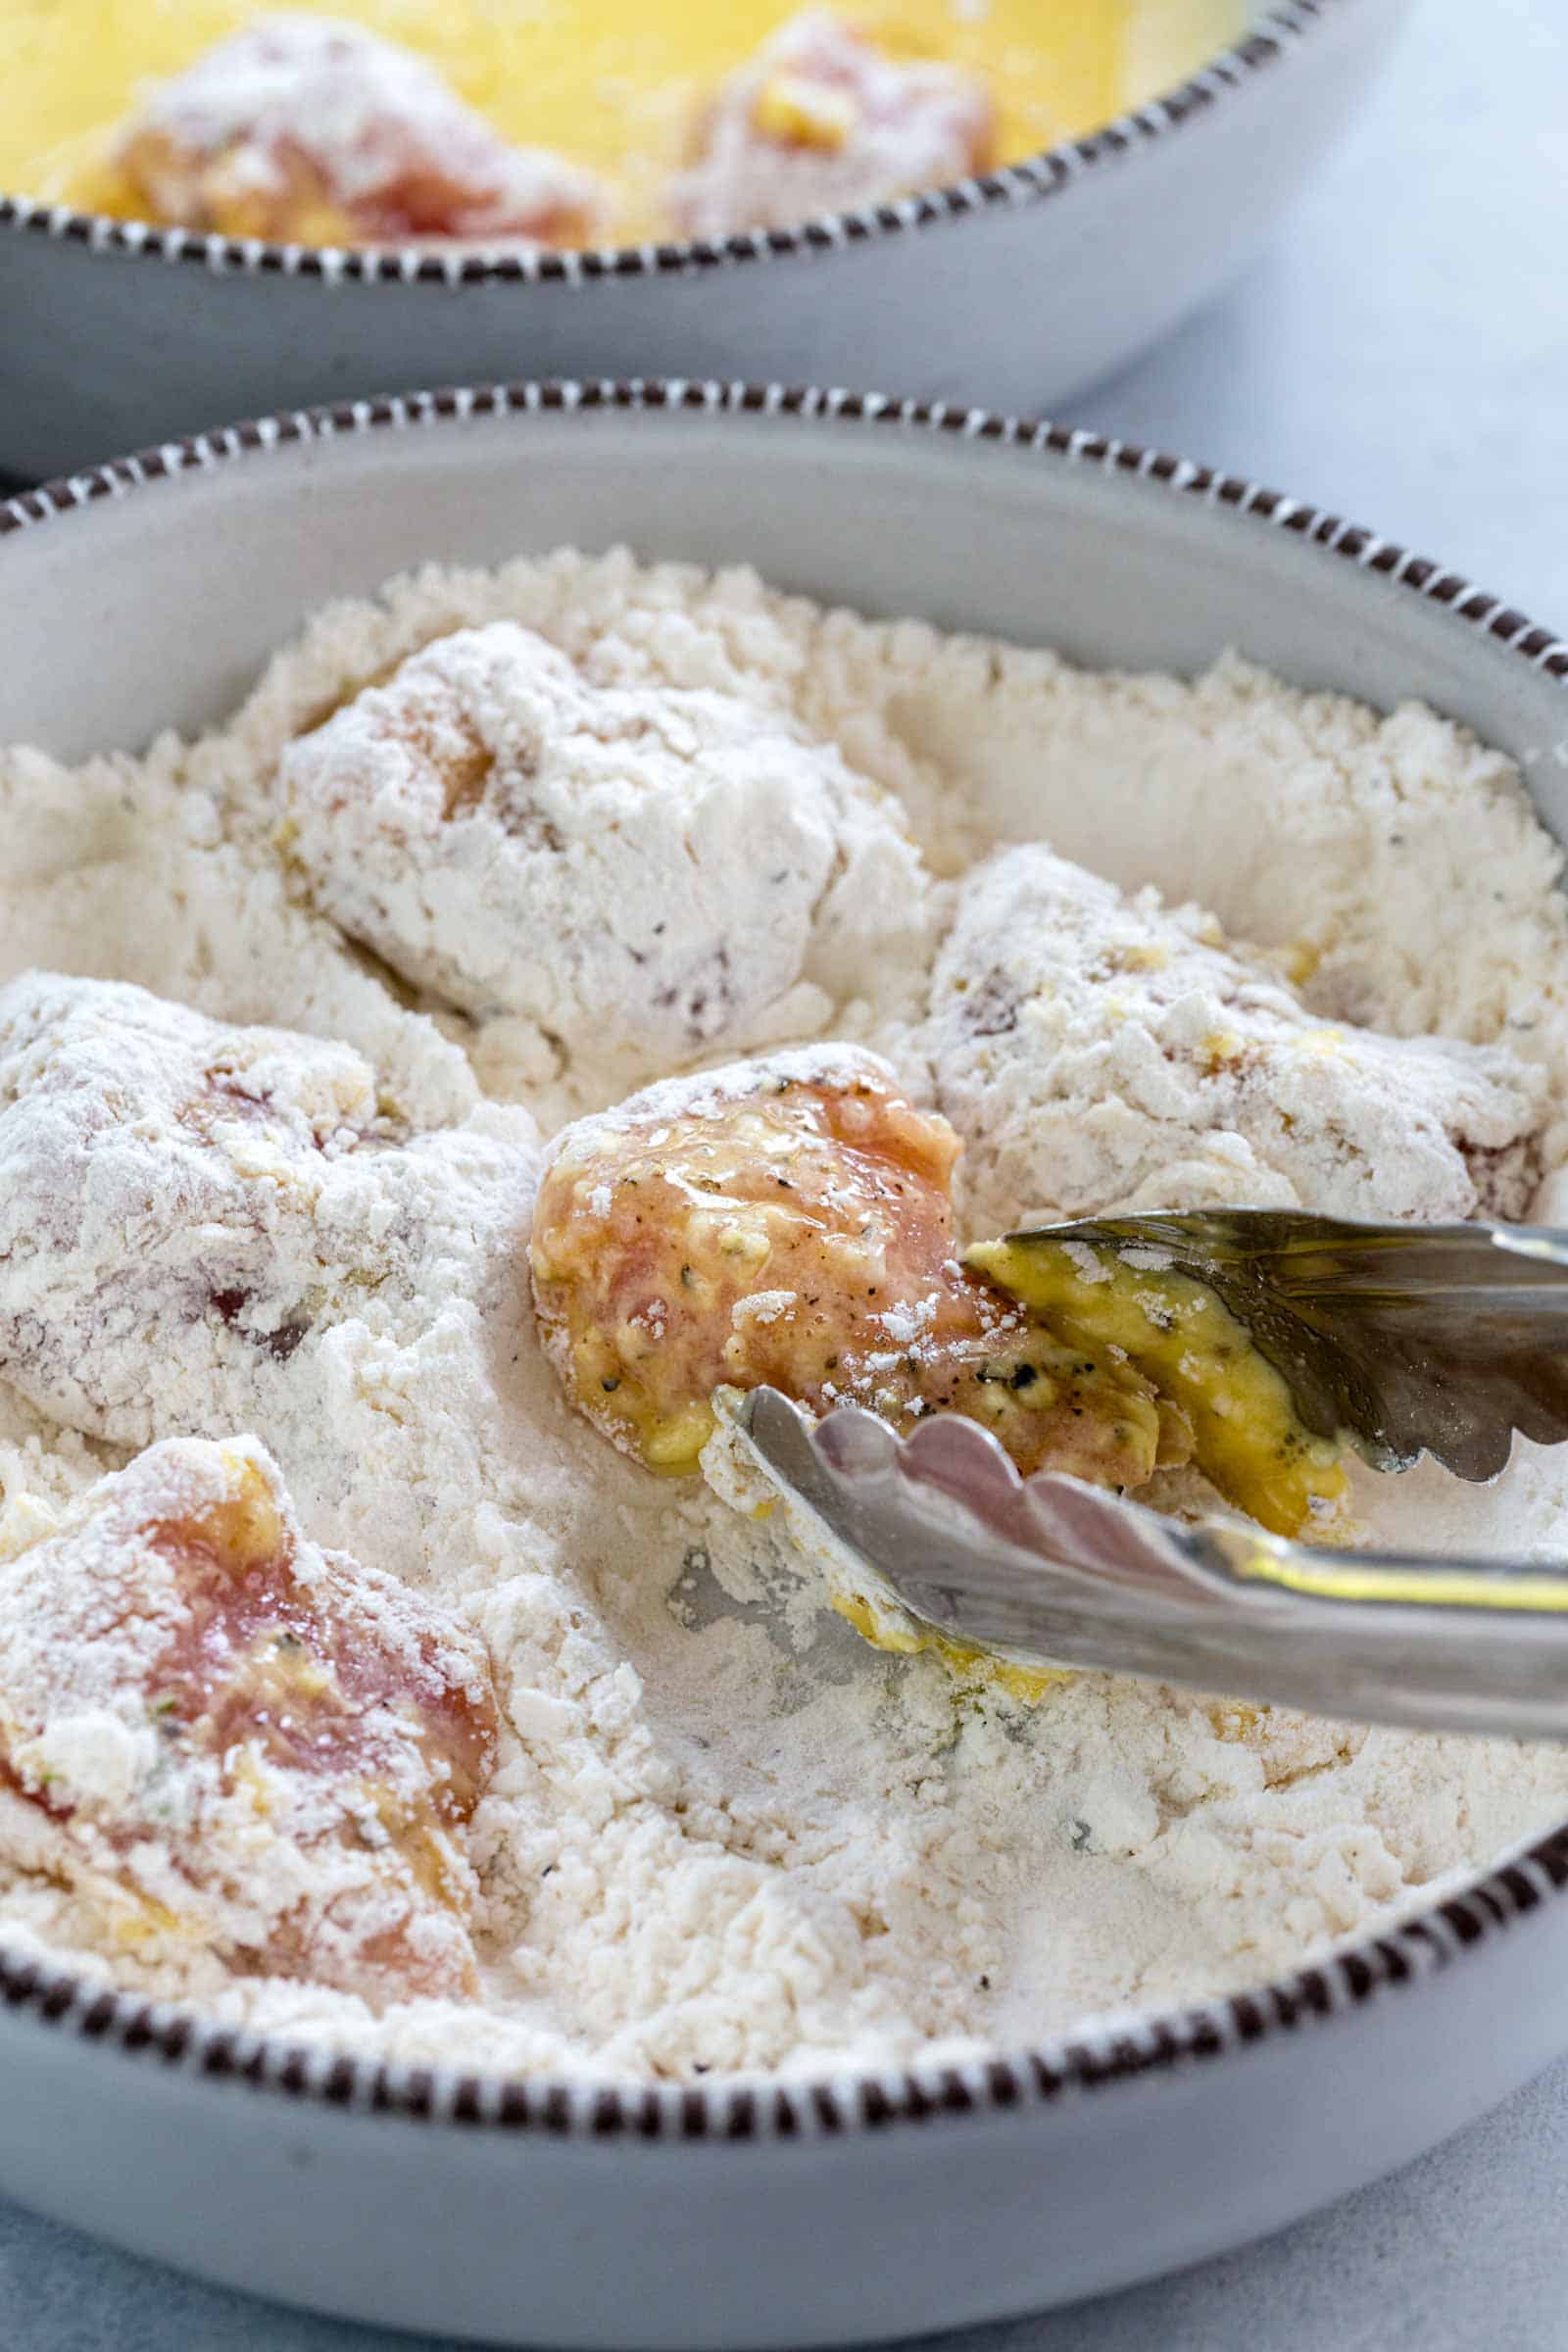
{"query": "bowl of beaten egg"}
{"type": "Point", "coordinates": [996, 201]}
{"type": "Point", "coordinates": [460, 1865]}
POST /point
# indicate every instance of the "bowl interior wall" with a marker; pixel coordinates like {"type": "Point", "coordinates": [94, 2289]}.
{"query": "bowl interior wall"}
{"type": "Point", "coordinates": [159, 609]}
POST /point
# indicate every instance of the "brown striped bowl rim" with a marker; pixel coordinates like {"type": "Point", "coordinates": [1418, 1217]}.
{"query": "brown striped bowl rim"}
{"type": "Point", "coordinates": [1278, 34]}
{"type": "Point", "coordinates": [730, 2109]}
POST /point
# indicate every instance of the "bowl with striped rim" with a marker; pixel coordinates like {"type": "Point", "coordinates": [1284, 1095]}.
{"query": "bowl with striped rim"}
{"type": "Point", "coordinates": [750, 2212]}
{"type": "Point", "coordinates": [1015, 288]}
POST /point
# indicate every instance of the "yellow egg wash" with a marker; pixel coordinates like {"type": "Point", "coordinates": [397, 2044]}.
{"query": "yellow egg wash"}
{"type": "Point", "coordinates": [976, 1670]}
{"type": "Point", "coordinates": [611, 84]}
{"type": "Point", "coordinates": [1247, 1438]}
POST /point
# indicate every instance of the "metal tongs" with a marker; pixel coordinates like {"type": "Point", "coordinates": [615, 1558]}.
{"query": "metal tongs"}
{"type": "Point", "coordinates": [1402, 1340]}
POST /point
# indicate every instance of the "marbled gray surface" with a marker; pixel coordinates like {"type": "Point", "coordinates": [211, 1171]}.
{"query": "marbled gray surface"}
{"type": "Point", "coordinates": [1402, 356]}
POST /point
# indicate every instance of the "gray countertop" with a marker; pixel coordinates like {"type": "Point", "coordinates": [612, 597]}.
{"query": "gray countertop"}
{"type": "Point", "coordinates": [1402, 356]}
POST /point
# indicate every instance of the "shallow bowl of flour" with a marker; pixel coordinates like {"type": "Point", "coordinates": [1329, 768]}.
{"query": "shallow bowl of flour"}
{"type": "Point", "coordinates": [1250, 1971]}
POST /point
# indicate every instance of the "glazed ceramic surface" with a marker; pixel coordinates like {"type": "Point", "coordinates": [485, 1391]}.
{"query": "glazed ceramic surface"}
{"type": "Point", "coordinates": [1014, 290]}
{"type": "Point", "coordinates": [733, 2215]}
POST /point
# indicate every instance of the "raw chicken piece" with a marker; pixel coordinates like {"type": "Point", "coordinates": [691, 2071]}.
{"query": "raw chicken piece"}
{"type": "Point", "coordinates": [645, 873]}
{"type": "Point", "coordinates": [822, 120]}
{"type": "Point", "coordinates": [1098, 1051]}
{"type": "Point", "coordinates": [206, 1227]}
{"type": "Point", "coordinates": [213, 1732]}
{"type": "Point", "coordinates": [306, 130]}
{"type": "Point", "coordinates": [788, 1222]}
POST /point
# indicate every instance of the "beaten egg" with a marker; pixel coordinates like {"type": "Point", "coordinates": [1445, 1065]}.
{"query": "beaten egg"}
{"type": "Point", "coordinates": [612, 85]}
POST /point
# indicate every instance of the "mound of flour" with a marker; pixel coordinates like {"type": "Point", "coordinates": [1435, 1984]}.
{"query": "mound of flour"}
{"type": "Point", "coordinates": [1104, 1052]}
{"type": "Point", "coordinates": [724, 1832]}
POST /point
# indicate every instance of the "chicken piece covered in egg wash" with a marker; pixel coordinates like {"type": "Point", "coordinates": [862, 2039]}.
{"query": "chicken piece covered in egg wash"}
{"type": "Point", "coordinates": [787, 1222]}
{"type": "Point", "coordinates": [822, 119]}
{"type": "Point", "coordinates": [313, 133]}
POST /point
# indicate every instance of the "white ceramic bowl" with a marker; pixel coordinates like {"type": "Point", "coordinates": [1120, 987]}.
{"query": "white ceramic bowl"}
{"type": "Point", "coordinates": [810, 2212]}
{"type": "Point", "coordinates": [1015, 289]}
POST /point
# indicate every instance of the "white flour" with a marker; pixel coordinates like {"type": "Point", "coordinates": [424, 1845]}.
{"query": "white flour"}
{"type": "Point", "coordinates": [722, 1832]}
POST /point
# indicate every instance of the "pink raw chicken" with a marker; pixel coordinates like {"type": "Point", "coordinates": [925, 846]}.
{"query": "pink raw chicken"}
{"type": "Point", "coordinates": [213, 1732]}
